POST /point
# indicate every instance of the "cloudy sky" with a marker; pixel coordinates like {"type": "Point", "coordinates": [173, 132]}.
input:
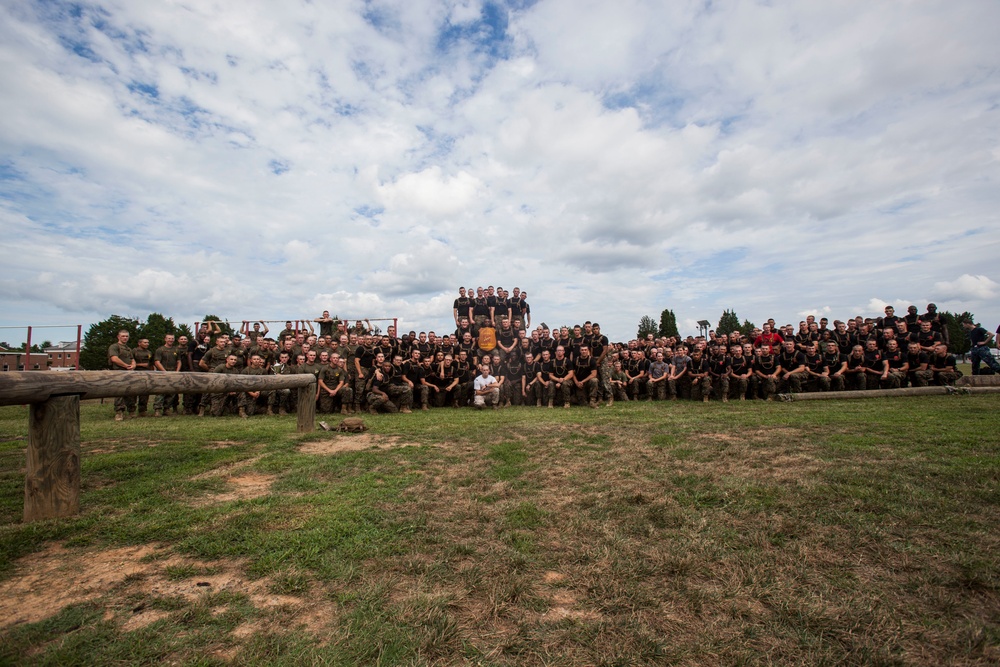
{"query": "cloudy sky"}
{"type": "Point", "coordinates": [271, 159]}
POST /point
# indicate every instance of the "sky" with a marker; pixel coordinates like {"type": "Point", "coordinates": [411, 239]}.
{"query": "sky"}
{"type": "Point", "coordinates": [266, 160]}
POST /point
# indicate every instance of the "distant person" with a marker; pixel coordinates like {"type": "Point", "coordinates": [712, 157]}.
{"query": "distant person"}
{"type": "Point", "coordinates": [979, 351]}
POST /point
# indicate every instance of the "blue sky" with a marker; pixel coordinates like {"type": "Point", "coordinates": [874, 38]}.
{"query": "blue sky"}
{"type": "Point", "coordinates": [263, 160]}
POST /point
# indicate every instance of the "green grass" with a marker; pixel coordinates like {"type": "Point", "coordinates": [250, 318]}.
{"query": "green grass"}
{"type": "Point", "coordinates": [842, 532]}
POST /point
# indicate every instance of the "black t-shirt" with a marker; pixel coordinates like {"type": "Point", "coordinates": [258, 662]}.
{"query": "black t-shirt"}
{"type": "Point", "coordinates": [789, 362]}
{"type": "Point", "coordinates": [738, 365]}
{"type": "Point", "coordinates": [480, 307]}
{"type": "Point", "coordinates": [719, 366]}
{"type": "Point", "coordinates": [559, 368]}
{"type": "Point", "coordinates": [462, 305]}
{"type": "Point", "coordinates": [945, 363]}
{"type": "Point", "coordinates": [896, 359]}
{"type": "Point", "coordinates": [834, 361]}
{"type": "Point", "coordinates": [816, 363]}
{"type": "Point", "coordinates": [916, 359]}
{"type": "Point", "coordinates": [584, 367]}
{"type": "Point", "coordinates": [414, 372]}
{"type": "Point", "coordinates": [765, 363]}
{"type": "Point", "coordinates": [873, 360]}
{"type": "Point", "coordinates": [698, 366]}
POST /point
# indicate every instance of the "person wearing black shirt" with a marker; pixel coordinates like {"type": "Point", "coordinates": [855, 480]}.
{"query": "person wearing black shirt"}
{"type": "Point", "coordinates": [740, 370]}
{"type": "Point", "coordinates": [533, 386]}
{"type": "Point", "coordinates": [719, 370]}
{"type": "Point", "coordinates": [701, 383]}
{"type": "Point", "coordinates": [378, 385]}
{"type": "Point", "coordinates": [979, 340]}
{"type": "Point", "coordinates": [792, 363]}
{"type": "Point", "coordinates": [943, 366]}
{"type": "Point", "coordinates": [896, 358]}
{"type": "Point", "coordinates": [854, 374]}
{"type": "Point", "coordinates": [515, 380]}
{"type": "Point", "coordinates": [557, 372]}
{"type": "Point", "coordinates": [817, 373]}
{"type": "Point", "coordinates": [938, 322]}
{"type": "Point", "coordinates": [876, 367]}
{"type": "Point", "coordinates": [764, 382]}
{"type": "Point", "coordinates": [836, 364]}
{"type": "Point", "coordinates": [585, 377]}
{"type": "Point", "coordinates": [462, 306]}
{"type": "Point", "coordinates": [916, 366]}
{"type": "Point", "coordinates": [636, 367]}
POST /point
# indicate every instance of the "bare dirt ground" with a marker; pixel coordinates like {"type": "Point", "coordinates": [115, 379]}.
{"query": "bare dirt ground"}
{"type": "Point", "coordinates": [46, 582]}
{"type": "Point", "coordinates": [356, 442]}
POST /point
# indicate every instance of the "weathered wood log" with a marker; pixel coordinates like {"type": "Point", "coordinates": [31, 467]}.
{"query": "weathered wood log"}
{"type": "Point", "coordinates": [887, 393]}
{"type": "Point", "coordinates": [52, 480]}
{"type": "Point", "coordinates": [305, 410]}
{"type": "Point", "coordinates": [19, 387]}
{"type": "Point", "coordinates": [978, 381]}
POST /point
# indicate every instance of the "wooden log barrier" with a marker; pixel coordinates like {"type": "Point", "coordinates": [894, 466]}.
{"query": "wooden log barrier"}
{"type": "Point", "coordinates": [52, 479]}
{"type": "Point", "coordinates": [887, 393]}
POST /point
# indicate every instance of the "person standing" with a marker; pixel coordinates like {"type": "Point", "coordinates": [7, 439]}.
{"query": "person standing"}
{"type": "Point", "coordinates": [143, 362]}
{"type": "Point", "coordinates": [979, 350]}
{"type": "Point", "coordinates": [166, 359]}
{"type": "Point", "coordinates": [120, 359]}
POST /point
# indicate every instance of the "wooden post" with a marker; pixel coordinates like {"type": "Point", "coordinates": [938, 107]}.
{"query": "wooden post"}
{"type": "Point", "coordinates": [306, 409]}
{"type": "Point", "coordinates": [52, 482]}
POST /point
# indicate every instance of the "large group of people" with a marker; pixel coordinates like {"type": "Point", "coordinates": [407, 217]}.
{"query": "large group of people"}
{"type": "Point", "coordinates": [495, 359]}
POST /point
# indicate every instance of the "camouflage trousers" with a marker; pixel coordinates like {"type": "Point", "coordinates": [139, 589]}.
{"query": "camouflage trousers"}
{"type": "Point", "coordinates": [344, 396]}
{"type": "Point", "coordinates": [380, 403]}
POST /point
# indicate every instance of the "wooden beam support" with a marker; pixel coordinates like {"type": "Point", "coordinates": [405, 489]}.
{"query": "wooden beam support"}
{"type": "Point", "coordinates": [305, 410]}
{"type": "Point", "coordinates": [52, 481]}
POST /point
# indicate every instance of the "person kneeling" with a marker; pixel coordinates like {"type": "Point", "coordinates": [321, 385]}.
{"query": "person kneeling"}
{"type": "Point", "coordinates": [486, 389]}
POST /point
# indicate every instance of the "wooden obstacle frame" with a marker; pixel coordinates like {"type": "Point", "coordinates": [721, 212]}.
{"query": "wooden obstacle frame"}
{"type": "Point", "coordinates": [52, 477]}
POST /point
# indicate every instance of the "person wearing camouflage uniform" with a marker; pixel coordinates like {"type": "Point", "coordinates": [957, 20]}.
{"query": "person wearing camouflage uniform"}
{"type": "Point", "coordinates": [143, 362]}
{"type": "Point", "coordinates": [166, 359]}
{"type": "Point", "coordinates": [120, 359]}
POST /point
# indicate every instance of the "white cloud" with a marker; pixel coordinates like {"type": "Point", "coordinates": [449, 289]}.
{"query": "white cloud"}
{"type": "Point", "coordinates": [967, 288]}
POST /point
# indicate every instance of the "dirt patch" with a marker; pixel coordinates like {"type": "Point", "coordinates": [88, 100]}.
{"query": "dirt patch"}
{"type": "Point", "coordinates": [46, 582]}
{"type": "Point", "coordinates": [228, 469]}
{"type": "Point", "coordinates": [353, 443]}
{"type": "Point", "coordinates": [242, 487]}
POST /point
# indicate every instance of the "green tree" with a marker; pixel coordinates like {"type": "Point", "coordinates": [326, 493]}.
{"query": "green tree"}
{"type": "Point", "coordinates": [94, 354]}
{"type": "Point", "coordinates": [958, 340]}
{"type": "Point", "coordinates": [668, 324]}
{"type": "Point", "coordinates": [728, 323]}
{"type": "Point", "coordinates": [647, 325]}
{"type": "Point", "coordinates": [747, 327]}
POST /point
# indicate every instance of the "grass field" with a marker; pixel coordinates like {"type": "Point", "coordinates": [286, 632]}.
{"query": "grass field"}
{"type": "Point", "coordinates": [849, 532]}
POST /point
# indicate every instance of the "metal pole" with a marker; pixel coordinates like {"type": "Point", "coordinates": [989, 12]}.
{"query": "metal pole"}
{"type": "Point", "coordinates": [79, 335]}
{"type": "Point", "coordinates": [27, 352]}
